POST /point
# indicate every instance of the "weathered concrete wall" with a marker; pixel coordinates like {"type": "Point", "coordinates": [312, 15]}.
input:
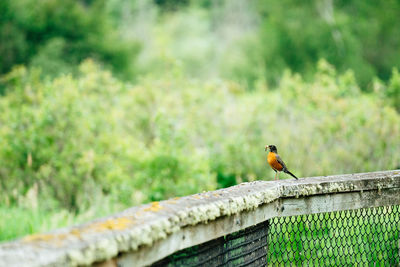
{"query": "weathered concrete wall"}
{"type": "Point", "coordinates": [149, 232]}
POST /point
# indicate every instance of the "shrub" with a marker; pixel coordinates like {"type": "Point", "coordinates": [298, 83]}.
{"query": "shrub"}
{"type": "Point", "coordinates": [80, 138]}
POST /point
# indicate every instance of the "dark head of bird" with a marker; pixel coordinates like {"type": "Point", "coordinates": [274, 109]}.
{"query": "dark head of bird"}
{"type": "Point", "coordinates": [272, 148]}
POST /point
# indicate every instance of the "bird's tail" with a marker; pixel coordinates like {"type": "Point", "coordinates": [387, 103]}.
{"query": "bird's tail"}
{"type": "Point", "coordinates": [288, 172]}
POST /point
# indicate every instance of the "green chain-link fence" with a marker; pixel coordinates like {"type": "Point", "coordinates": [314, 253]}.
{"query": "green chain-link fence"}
{"type": "Point", "coordinates": [362, 237]}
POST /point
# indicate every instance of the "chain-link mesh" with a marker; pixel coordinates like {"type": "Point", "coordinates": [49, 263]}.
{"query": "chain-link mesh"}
{"type": "Point", "coordinates": [243, 248]}
{"type": "Point", "coordinates": [361, 237]}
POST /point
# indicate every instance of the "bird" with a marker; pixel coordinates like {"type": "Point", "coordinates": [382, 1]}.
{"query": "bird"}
{"type": "Point", "coordinates": [276, 163]}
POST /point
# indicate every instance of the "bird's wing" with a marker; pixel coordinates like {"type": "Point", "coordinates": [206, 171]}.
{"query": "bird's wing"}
{"type": "Point", "coordinates": [278, 158]}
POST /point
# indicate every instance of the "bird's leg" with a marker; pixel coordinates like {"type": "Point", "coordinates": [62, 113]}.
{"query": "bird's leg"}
{"type": "Point", "coordinates": [278, 175]}
{"type": "Point", "coordinates": [275, 176]}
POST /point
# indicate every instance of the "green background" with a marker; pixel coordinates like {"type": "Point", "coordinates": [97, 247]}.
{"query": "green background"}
{"type": "Point", "coordinates": [109, 104]}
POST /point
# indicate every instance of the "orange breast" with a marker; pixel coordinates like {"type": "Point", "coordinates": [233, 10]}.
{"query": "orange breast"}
{"type": "Point", "coordinates": [271, 158]}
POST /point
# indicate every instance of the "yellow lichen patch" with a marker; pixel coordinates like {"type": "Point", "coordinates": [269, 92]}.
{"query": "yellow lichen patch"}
{"type": "Point", "coordinates": [172, 200]}
{"type": "Point", "coordinates": [112, 224]}
{"type": "Point", "coordinates": [155, 206]}
{"type": "Point", "coordinates": [44, 237]}
{"type": "Point", "coordinates": [76, 233]}
{"type": "Point", "coordinates": [196, 196]}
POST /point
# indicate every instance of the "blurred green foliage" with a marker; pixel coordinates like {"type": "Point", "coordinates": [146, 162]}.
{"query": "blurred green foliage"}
{"type": "Point", "coordinates": [75, 138]}
{"type": "Point", "coordinates": [57, 35]}
{"type": "Point", "coordinates": [248, 42]}
{"type": "Point", "coordinates": [210, 83]}
{"type": "Point", "coordinates": [358, 35]}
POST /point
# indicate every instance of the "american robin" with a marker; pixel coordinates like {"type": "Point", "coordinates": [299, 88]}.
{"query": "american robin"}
{"type": "Point", "coordinates": [276, 162]}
